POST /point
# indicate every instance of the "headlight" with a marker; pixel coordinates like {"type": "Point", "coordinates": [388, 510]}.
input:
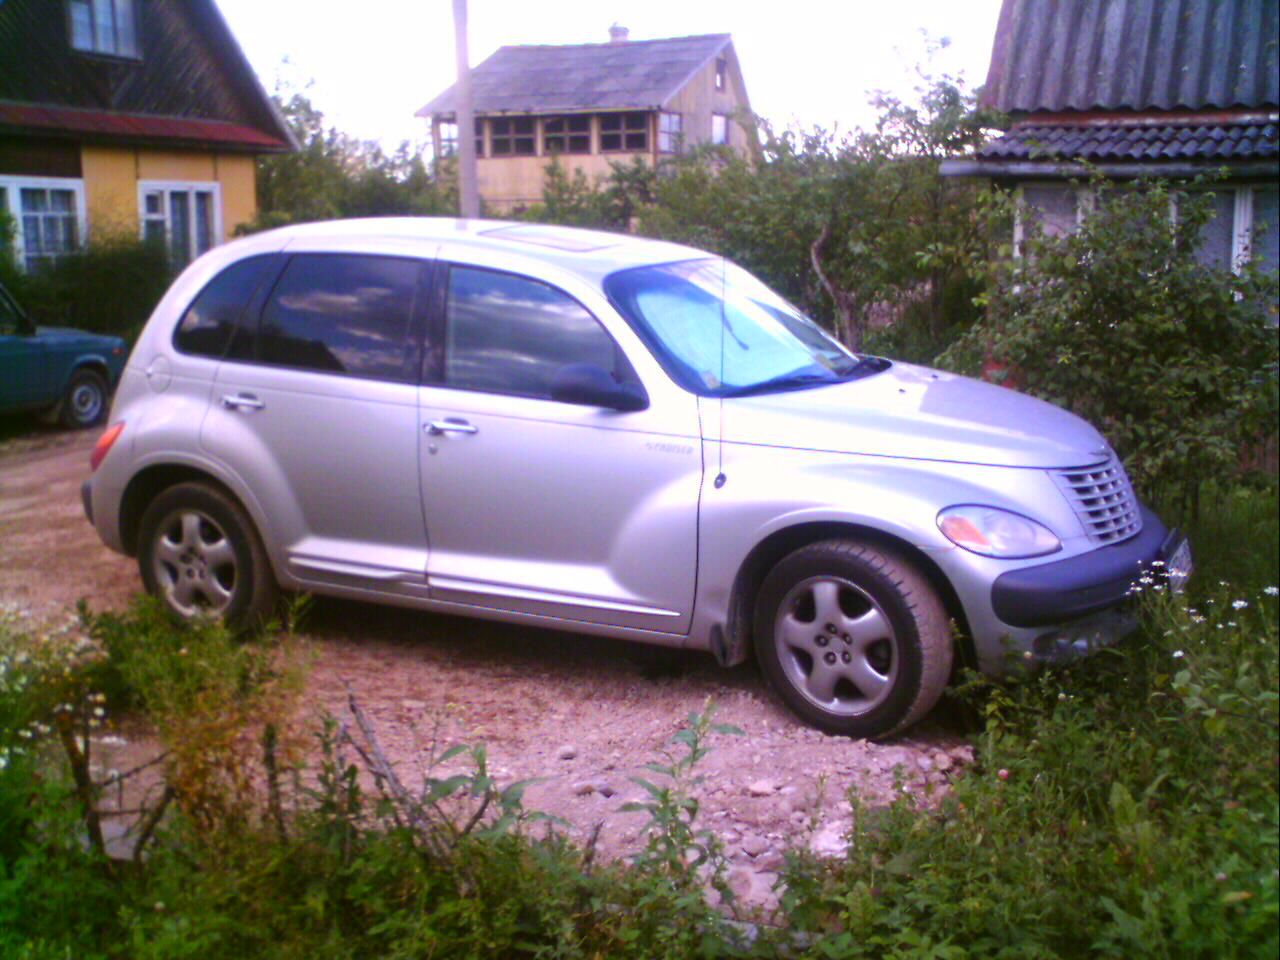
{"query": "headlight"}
{"type": "Point", "coordinates": [993, 532]}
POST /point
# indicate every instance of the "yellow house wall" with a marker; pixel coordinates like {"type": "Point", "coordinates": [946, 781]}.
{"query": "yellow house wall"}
{"type": "Point", "coordinates": [111, 176]}
{"type": "Point", "coordinates": [507, 182]}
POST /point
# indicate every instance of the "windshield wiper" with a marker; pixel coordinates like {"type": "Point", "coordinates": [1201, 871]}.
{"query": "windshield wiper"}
{"type": "Point", "coordinates": [784, 382]}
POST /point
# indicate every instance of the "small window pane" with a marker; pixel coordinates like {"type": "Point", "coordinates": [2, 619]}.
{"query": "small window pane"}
{"type": "Point", "coordinates": [719, 129]}
{"type": "Point", "coordinates": [81, 25]}
{"type": "Point", "coordinates": [104, 34]}
{"type": "Point", "coordinates": [343, 314]}
{"type": "Point", "coordinates": [206, 327]}
{"type": "Point", "coordinates": [34, 201]}
{"type": "Point", "coordinates": [204, 221]}
{"type": "Point", "coordinates": [1052, 207]}
{"type": "Point", "coordinates": [179, 228]}
{"type": "Point", "coordinates": [1216, 237]}
{"type": "Point", "coordinates": [126, 35]}
{"type": "Point", "coordinates": [509, 334]}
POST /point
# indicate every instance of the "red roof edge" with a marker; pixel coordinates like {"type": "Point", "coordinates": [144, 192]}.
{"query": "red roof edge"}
{"type": "Point", "coordinates": [127, 126]}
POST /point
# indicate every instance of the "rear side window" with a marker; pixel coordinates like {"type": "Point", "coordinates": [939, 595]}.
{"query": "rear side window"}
{"type": "Point", "coordinates": [343, 313]}
{"type": "Point", "coordinates": [206, 328]}
{"type": "Point", "coordinates": [510, 334]}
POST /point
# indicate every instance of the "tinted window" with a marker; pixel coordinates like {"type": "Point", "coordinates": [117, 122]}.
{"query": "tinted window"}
{"type": "Point", "coordinates": [207, 325]}
{"type": "Point", "coordinates": [509, 334]}
{"type": "Point", "coordinates": [343, 314]}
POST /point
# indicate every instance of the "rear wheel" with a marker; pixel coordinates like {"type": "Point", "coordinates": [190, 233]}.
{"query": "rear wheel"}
{"type": "Point", "coordinates": [199, 553]}
{"type": "Point", "coordinates": [85, 401]}
{"type": "Point", "coordinates": [853, 638]}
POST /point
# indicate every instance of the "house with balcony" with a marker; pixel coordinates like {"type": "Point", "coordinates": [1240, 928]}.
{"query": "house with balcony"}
{"type": "Point", "coordinates": [127, 115]}
{"type": "Point", "coordinates": [1139, 89]}
{"type": "Point", "coordinates": [592, 104]}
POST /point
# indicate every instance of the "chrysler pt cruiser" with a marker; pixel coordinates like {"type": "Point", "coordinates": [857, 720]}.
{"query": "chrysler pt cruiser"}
{"type": "Point", "coordinates": [610, 435]}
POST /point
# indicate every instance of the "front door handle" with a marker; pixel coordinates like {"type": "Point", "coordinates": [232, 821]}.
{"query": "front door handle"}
{"type": "Point", "coordinates": [436, 427]}
{"type": "Point", "coordinates": [243, 401]}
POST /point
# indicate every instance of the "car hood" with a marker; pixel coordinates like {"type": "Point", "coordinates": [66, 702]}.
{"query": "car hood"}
{"type": "Point", "coordinates": [917, 413]}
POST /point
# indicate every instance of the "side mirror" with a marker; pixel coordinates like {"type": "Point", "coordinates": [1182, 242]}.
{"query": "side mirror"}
{"type": "Point", "coordinates": [592, 386]}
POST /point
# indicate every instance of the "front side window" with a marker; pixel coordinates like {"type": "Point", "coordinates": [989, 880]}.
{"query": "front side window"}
{"type": "Point", "coordinates": [670, 132]}
{"type": "Point", "coordinates": [512, 136]}
{"type": "Point", "coordinates": [721, 332]}
{"type": "Point", "coordinates": [345, 314]}
{"type": "Point", "coordinates": [624, 131]}
{"type": "Point", "coordinates": [206, 328]}
{"type": "Point", "coordinates": [104, 26]}
{"type": "Point", "coordinates": [566, 134]}
{"type": "Point", "coordinates": [183, 217]}
{"type": "Point", "coordinates": [512, 335]}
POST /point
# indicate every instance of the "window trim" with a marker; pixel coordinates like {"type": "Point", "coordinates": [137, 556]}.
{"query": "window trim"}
{"type": "Point", "coordinates": [567, 135]}
{"type": "Point", "coordinates": [512, 135]}
{"type": "Point", "coordinates": [93, 51]}
{"type": "Point", "coordinates": [439, 325]}
{"type": "Point", "coordinates": [13, 187]}
{"type": "Point", "coordinates": [624, 131]}
{"type": "Point", "coordinates": [189, 187]}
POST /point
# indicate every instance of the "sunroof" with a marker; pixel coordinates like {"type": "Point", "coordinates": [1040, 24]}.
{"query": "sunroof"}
{"type": "Point", "coordinates": [543, 237]}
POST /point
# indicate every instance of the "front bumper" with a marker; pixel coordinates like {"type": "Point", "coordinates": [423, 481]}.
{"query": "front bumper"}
{"type": "Point", "coordinates": [1071, 589]}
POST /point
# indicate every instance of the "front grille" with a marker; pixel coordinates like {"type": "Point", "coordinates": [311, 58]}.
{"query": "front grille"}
{"type": "Point", "coordinates": [1103, 500]}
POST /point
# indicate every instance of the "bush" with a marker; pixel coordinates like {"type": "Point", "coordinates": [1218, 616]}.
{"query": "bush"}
{"type": "Point", "coordinates": [1122, 807]}
{"type": "Point", "coordinates": [1174, 361]}
{"type": "Point", "coordinates": [110, 287]}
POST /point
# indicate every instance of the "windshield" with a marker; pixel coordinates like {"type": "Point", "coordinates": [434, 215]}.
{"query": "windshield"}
{"type": "Point", "coordinates": [720, 332]}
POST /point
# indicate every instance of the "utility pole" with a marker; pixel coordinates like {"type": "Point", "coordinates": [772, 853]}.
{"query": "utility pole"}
{"type": "Point", "coordinates": [468, 199]}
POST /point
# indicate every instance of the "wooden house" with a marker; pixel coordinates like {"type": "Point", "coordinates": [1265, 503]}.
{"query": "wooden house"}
{"type": "Point", "coordinates": [1135, 89]}
{"type": "Point", "coordinates": [135, 115]}
{"type": "Point", "coordinates": [592, 104]}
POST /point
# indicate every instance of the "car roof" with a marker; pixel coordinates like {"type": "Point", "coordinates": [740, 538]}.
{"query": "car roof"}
{"type": "Point", "coordinates": [591, 254]}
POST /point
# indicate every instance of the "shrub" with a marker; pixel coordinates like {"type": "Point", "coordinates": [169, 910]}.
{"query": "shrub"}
{"type": "Point", "coordinates": [110, 287]}
{"type": "Point", "coordinates": [1174, 361]}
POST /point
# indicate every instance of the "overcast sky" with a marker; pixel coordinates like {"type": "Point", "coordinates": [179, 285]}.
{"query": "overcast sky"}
{"type": "Point", "coordinates": [374, 62]}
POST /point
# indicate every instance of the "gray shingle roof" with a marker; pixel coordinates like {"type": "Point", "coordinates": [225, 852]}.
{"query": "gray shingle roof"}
{"type": "Point", "coordinates": [1253, 140]}
{"type": "Point", "coordinates": [636, 74]}
{"type": "Point", "coordinates": [1054, 55]}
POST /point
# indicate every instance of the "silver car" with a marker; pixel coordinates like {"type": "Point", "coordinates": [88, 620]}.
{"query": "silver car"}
{"type": "Point", "coordinates": [609, 435]}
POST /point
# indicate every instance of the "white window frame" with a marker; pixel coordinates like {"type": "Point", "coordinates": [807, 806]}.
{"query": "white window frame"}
{"type": "Point", "coordinates": [166, 187]}
{"type": "Point", "coordinates": [13, 187]}
{"type": "Point", "coordinates": [1242, 229]}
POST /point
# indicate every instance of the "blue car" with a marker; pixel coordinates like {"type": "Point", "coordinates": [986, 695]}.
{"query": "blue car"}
{"type": "Point", "coordinates": [67, 373]}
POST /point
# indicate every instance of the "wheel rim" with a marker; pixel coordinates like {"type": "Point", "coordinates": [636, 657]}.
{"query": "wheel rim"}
{"type": "Point", "coordinates": [194, 564]}
{"type": "Point", "coordinates": [836, 646]}
{"type": "Point", "coordinates": [86, 402]}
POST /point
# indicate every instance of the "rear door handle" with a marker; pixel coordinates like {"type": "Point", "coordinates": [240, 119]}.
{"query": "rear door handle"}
{"type": "Point", "coordinates": [437, 427]}
{"type": "Point", "coordinates": [243, 401]}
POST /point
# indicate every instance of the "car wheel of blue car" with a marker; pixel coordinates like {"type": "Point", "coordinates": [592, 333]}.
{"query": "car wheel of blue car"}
{"type": "Point", "coordinates": [85, 401]}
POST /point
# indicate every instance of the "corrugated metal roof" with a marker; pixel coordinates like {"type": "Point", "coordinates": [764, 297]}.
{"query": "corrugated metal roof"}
{"type": "Point", "coordinates": [1255, 140]}
{"type": "Point", "coordinates": [1055, 55]}
{"type": "Point", "coordinates": [632, 75]}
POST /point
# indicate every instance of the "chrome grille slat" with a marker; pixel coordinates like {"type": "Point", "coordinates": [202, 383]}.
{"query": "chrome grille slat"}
{"type": "Point", "coordinates": [1101, 496]}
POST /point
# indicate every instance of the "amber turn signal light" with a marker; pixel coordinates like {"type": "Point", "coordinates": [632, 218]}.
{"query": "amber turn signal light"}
{"type": "Point", "coordinates": [100, 449]}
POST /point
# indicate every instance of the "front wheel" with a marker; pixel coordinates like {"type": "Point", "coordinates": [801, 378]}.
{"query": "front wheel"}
{"type": "Point", "coordinates": [199, 553]}
{"type": "Point", "coordinates": [853, 638]}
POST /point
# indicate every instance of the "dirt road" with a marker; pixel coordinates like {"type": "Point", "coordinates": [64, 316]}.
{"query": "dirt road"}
{"type": "Point", "coordinates": [534, 696]}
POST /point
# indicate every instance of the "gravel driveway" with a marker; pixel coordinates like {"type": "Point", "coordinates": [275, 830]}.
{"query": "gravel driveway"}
{"type": "Point", "coordinates": [583, 712]}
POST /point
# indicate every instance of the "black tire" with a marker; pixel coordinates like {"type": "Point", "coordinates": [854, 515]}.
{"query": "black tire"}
{"type": "Point", "coordinates": [84, 402]}
{"type": "Point", "coordinates": [891, 631]}
{"type": "Point", "coordinates": [222, 555]}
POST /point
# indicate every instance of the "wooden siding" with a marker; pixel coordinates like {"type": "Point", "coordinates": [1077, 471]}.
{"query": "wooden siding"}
{"type": "Point", "coordinates": [23, 157]}
{"type": "Point", "coordinates": [698, 100]}
{"type": "Point", "coordinates": [186, 68]}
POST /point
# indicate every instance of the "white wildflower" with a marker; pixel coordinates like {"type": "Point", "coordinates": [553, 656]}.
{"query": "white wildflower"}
{"type": "Point", "coordinates": [1239, 604]}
